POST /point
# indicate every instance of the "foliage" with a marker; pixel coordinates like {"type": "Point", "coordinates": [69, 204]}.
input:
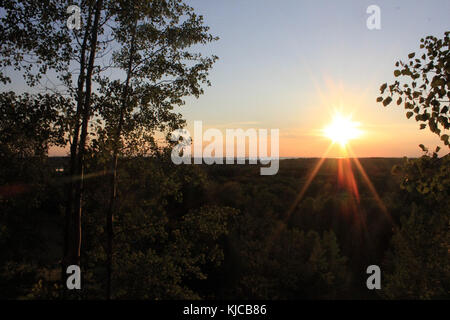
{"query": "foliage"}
{"type": "Point", "coordinates": [426, 179]}
{"type": "Point", "coordinates": [298, 265]}
{"type": "Point", "coordinates": [30, 124]}
{"type": "Point", "coordinates": [165, 242]}
{"type": "Point", "coordinates": [177, 234]}
{"type": "Point", "coordinates": [153, 42]}
{"type": "Point", "coordinates": [418, 265]}
{"type": "Point", "coordinates": [418, 262]}
{"type": "Point", "coordinates": [424, 89]}
{"type": "Point", "coordinates": [35, 38]}
{"type": "Point", "coordinates": [155, 51]}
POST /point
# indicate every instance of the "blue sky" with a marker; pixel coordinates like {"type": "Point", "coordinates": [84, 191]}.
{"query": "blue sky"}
{"type": "Point", "coordinates": [287, 64]}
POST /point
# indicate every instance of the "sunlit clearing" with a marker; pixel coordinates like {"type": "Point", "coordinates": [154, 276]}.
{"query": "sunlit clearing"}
{"type": "Point", "coordinates": [342, 129]}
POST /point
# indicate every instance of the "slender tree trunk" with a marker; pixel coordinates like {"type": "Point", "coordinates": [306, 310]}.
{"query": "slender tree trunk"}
{"type": "Point", "coordinates": [75, 246]}
{"type": "Point", "coordinates": [68, 234]}
{"type": "Point", "coordinates": [116, 147]}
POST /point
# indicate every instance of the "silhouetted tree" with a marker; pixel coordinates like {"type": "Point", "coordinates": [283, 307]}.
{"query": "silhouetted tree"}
{"type": "Point", "coordinates": [417, 264]}
{"type": "Point", "coordinates": [424, 86]}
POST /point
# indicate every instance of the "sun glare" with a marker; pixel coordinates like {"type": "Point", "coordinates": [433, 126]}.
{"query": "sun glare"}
{"type": "Point", "coordinates": [342, 129]}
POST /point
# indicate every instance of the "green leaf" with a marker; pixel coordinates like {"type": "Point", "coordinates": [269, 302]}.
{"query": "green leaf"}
{"type": "Point", "coordinates": [397, 73]}
{"type": "Point", "coordinates": [437, 82]}
{"type": "Point", "coordinates": [425, 149]}
{"type": "Point", "coordinates": [411, 55]}
{"type": "Point", "coordinates": [409, 114]}
{"type": "Point", "coordinates": [387, 101]}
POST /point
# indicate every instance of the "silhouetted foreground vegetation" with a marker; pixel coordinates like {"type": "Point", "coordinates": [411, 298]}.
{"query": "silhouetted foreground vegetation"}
{"type": "Point", "coordinates": [225, 232]}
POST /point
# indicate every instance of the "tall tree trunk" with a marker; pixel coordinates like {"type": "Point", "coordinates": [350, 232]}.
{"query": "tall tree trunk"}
{"type": "Point", "coordinates": [75, 243]}
{"type": "Point", "coordinates": [115, 158]}
{"type": "Point", "coordinates": [68, 234]}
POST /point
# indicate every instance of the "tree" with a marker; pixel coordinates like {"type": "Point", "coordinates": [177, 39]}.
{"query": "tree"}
{"type": "Point", "coordinates": [165, 246]}
{"type": "Point", "coordinates": [417, 262]}
{"type": "Point", "coordinates": [424, 90]}
{"type": "Point", "coordinates": [297, 265]}
{"type": "Point", "coordinates": [155, 38]}
{"type": "Point", "coordinates": [37, 40]}
{"type": "Point", "coordinates": [34, 39]}
{"type": "Point", "coordinates": [29, 126]}
{"type": "Point", "coordinates": [151, 41]}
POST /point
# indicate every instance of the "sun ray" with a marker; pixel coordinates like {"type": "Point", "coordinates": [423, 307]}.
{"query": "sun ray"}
{"type": "Point", "coordinates": [300, 195]}
{"type": "Point", "coordinates": [308, 181]}
{"type": "Point", "coordinates": [370, 185]}
{"type": "Point", "coordinates": [347, 178]}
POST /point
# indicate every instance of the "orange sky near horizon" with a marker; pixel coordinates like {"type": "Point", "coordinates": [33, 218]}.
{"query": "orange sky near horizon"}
{"type": "Point", "coordinates": [386, 132]}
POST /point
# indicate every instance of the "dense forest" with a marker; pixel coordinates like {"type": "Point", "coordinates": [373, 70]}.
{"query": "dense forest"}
{"type": "Point", "coordinates": [222, 232]}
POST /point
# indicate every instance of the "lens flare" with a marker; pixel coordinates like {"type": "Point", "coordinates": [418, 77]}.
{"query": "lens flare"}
{"type": "Point", "coordinates": [342, 129]}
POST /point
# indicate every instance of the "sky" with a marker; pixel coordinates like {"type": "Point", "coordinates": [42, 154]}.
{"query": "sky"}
{"type": "Point", "coordinates": [290, 64]}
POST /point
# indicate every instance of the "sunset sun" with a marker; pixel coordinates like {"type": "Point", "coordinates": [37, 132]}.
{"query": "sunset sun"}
{"type": "Point", "coordinates": [342, 129]}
